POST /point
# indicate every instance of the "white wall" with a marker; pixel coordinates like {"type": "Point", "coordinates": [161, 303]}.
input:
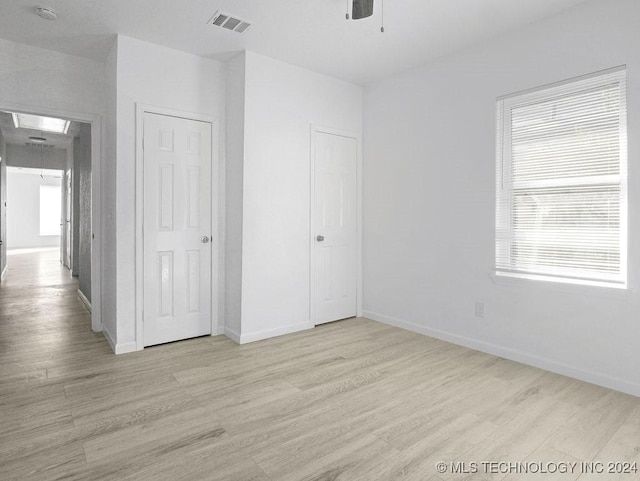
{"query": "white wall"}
{"type": "Point", "coordinates": [3, 208]}
{"type": "Point", "coordinates": [108, 188]}
{"type": "Point", "coordinates": [23, 209]}
{"type": "Point", "coordinates": [153, 75]}
{"type": "Point", "coordinates": [47, 82]}
{"type": "Point", "coordinates": [52, 80]}
{"type": "Point", "coordinates": [235, 118]}
{"type": "Point", "coordinates": [429, 202]}
{"type": "Point", "coordinates": [281, 104]}
{"type": "Point", "coordinates": [23, 156]}
{"type": "Point", "coordinates": [82, 173]}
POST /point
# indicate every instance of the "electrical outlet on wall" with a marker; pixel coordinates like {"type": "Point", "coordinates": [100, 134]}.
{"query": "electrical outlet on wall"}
{"type": "Point", "coordinates": [480, 309]}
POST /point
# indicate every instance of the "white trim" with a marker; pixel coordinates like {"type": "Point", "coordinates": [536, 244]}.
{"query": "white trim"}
{"type": "Point", "coordinates": [141, 109]}
{"type": "Point", "coordinates": [107, 335]}
{"type": "Point", "coordinates": [509, 264]}
{"type": "Point", "coordinates": [231, 334]}
{"type": "Point", "coordinates": [4, 272]}
{"type": "Point", "coordinates": [530, 282]}
{"type": "Point", "coordinates": [84, 300]}
{"type": "Point", "coordinates": [126, 347]}
{"type": "Point", "coordinates": [559, 279]}
{"type": "Point", "coordinates": [245, 338]}
{"type": "Point", "coordinates": [96, 226]}
{"type": "Point", "coordinates": [592, 377]}
{"type": "Point", "coordinates": [216, 234]}
{"type": "Point", "coordinates": [122, 348]}
{"type": "Point", "coordinates": [96, 193]}
{"type": "Point", "coordinates": [564, 82]}
{"type": "Point", "coordinates": [359, 213]}
{"type": "Point", "coordinates": [139, 239]}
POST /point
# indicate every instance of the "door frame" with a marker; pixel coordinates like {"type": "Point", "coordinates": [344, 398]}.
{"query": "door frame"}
{"type": "Point", "coordinates": [317, 129]}
{"type": "Point", "coordinates": [65, 239]}
{"type": "Point", "coordinates": [96, 194]}
{"type": "Point", "coordinates": [142, 109]}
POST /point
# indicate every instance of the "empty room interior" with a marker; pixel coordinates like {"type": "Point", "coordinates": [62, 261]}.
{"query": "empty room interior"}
{"type": "Point", "coordinates": [320, 240]}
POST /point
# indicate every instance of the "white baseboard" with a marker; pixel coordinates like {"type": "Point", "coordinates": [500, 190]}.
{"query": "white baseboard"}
{"type": "Point", "coordinates": [126, 347]}
{"type": "Point", "coordinates": [246, 338]}
{"type": "Point", "coordinates": [119, 348]}
{"type": "Point", "coordinates": [84, 300]}
{"type": "Point", "coordinates": [592, 377]}
{"type": "Point", "coordinates": [231, 334]}
{"type": "Point", "coordinates": [281, 331]}
{"type": "Point", "coordinates": [109, 338]}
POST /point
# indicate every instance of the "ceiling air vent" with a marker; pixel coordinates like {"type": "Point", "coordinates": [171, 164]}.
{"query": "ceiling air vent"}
{"type": "Point", "coordinates": [39, 145]}
{"type": "Point", "coordinates": [229, 22]}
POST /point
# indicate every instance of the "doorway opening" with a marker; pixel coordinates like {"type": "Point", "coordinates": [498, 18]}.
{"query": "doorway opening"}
{"type": "Point", "coordinates": [46, 190]}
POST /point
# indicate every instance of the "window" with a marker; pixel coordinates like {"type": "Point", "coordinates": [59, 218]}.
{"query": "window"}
{"type": "Point", "coordinates": [50, 209]}
{"type": "Point", "coordinates": [561, 185]}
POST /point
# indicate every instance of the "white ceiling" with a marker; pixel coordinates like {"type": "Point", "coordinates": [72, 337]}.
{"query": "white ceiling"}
{"type": "Point", "coordinates": [309, 33]}
{"type": "Point", "coordinates": [21, 136]}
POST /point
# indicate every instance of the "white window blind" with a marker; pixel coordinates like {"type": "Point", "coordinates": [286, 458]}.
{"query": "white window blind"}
{"type": "Point", "coordinates": [561, 186]}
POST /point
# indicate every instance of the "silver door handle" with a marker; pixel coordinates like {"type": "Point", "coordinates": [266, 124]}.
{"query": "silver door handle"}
{"type": "Point", "coordinates": [204, 239]}
{"type": "Point", "coordinates": [320, 238]}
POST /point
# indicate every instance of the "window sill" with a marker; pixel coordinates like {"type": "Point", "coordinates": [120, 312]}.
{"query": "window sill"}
{"type": "Point", "coordinates": [606, 291]}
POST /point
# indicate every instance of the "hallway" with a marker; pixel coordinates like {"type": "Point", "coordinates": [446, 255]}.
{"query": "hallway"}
{"type": "Point", "coordinates": [45, 334]}
{"type": "Point", "coordinates": [41, 315]}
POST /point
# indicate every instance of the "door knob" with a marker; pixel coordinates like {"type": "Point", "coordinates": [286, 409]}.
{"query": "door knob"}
{"type": "Point", "coordinates": [320, 238]}
{"type": "Point", "coordinates": [204, 239]}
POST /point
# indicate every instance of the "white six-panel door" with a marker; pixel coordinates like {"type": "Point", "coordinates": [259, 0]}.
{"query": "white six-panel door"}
{"type": "Point", "coordinates": [176, 229]}
{"type": "Point", "coordinates": [335, 227]}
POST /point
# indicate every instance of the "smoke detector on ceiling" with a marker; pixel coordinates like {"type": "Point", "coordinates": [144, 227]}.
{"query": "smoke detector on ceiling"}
{"type": "Point", "coordinates": [46, 13]}
{"type": "Point", "coordinates": [230, 22]}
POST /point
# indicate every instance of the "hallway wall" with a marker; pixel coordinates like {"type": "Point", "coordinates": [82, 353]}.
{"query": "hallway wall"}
{"type": "Point", "coordinates": [23, 210]}
{"type": "Point", "coordinates": [23, 156]}
{"type": "Point", "coordinates": [3, 208]}
{"type": "Point", "coordinates": [82, 208]}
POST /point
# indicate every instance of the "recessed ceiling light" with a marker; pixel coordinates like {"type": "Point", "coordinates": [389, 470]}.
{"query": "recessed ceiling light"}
{"type": "Point", "coordinates": [46, 13]}
{"type": "Point", "coordinates": [38, 122]}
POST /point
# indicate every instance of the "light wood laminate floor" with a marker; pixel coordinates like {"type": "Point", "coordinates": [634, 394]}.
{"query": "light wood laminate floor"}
{"type": "Point", "coordinates": [353, 400]}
